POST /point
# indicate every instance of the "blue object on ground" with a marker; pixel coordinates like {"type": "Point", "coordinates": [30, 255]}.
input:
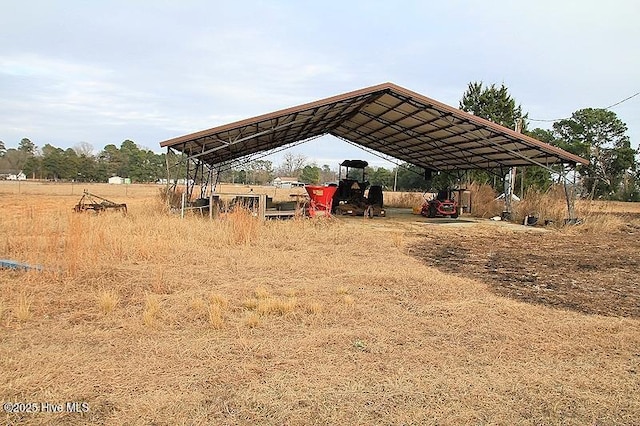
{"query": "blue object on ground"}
{"type": "Point", "coordinates": [12, 264]}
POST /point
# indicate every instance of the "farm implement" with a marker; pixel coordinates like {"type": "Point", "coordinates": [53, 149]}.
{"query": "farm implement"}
{"type": "Point", "coordinates": [98, 204]}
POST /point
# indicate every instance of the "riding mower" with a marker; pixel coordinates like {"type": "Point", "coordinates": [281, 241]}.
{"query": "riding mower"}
{"type": "Point", "coordinates": [443, 204]}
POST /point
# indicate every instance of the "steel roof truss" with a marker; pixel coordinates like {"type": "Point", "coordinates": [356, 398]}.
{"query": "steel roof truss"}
{"type": "Point", "coordinates": [421, 139]}
{"type": "Point", "coordinates": [386, 117]}
{"type": "Point", "coordinates": [246, 138]}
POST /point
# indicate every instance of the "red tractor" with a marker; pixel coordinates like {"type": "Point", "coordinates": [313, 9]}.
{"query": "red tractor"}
{"type": "Point", "coordinates": [444, 204]}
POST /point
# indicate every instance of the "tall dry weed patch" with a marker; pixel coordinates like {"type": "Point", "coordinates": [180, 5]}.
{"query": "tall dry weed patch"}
{"type": "Point", "coordinates": [548, 206]}
{"type": "Point", "coordinates": [160, 283]}
{"type": "Point", "coordinates": [599, 223]}
{"type": "Point", "coordinates": [169, 198]}
{"type": "Point", "coordinates": [151, 310]}
{"type": "Point", "coordinates": [404, 200]}
{"type": "Point", "coordinates": [264, 302]}
{"type": "Point", "coordinates": [483, 201]}
{"type": "Point", "coordinates": [244, 226]}
{"type": "Point", "coordinates": [216, 320]}
{"type": "Point", "coordinates": [22, 308]}
{"type": "Point", "coordinates": [276, 306]}
{"type": "Point", "coordinates": [107, 299]}
{"type": "Point", "coordinates": [75, 244]}
{"type": "Point", "coordinates": [251, 319]}
{"type": "Point", "coordinates": [219, 300]}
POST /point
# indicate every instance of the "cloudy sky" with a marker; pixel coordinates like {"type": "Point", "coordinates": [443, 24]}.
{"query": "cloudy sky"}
{"type": "Point", "coordinates": [101, 72]}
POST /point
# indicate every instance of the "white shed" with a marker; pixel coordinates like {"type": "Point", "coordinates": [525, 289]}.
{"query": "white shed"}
{"type": "Point", "coordinates": [19, 176]}
{"type": "Point", "coordinates": [116, 180]}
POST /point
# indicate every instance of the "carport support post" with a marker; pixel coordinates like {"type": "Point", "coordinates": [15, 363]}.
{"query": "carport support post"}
{"type": "Point", "coordinates": [395, 179]}
{"type": "Point", "coordinates": [570, 195]}
{"type": "Point", "coordinates": [509, 182]}
{"type": "Point", "coordinates": [508, 197]}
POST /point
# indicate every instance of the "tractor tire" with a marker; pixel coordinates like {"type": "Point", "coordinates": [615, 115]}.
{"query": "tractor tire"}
{"type": "Point", "coordinates": [432, 211]}
{"type": "Point", "coordinates": [455, 215]}
{"type": "Point", "coordinates": [375, 196]}
{"type": "Point", "coordinates": [368, 213]}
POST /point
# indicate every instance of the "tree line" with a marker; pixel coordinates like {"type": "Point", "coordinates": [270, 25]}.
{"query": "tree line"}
{"type": "Point", "coordinates": [80, 164]}
{"type": "Point", "coordinates": [596, 134]}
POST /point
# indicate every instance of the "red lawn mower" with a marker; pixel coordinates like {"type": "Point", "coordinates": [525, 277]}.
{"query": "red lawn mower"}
{"type": "Point", "coordinates": [444, 204]}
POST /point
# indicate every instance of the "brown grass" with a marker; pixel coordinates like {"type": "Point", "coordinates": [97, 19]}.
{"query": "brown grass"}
{"type": "Point", "coordinates": [594, 216]}
{"type": "Point", "coordinates": [276, 306]}
{"type": "Point", "coordinates": [215, 316]}
{"type": "Point", "coordinates": [217, 305]}
{"type": "Point", "coordinates": [550, 207]}
{"type": "Point", "coordinates": [23, 307]}
{"type": "Point", "coordinates": [405, 200]}
{"type": "Point", "coordinates": [251, 319]}
{"type": "Point", "coordinates": [483, 201]}
{"type": "Point", "coordinates": [313, 308]}
{"type": "Point", "coordinates": [219, 300]}
{"type": "Point", "coordinates": [192, 339]}
{"type": "Point", "coordinates": [107, 301]}
{"type": "Point", "coordinates": [151, 309]}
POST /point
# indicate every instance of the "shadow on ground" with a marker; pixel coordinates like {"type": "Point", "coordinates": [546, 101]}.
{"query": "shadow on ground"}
{"type": "Point", "coordinates": [582, 272]}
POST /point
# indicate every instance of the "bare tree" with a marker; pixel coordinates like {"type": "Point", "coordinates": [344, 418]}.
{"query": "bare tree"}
{"type": "Point", "coordinates": [292, 165]}
{"type": "Point", "coordinates": [83, 148]}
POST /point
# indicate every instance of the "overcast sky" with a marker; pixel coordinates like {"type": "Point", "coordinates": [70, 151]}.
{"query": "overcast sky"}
{"type": "Point", "coordinates": [105, 71]}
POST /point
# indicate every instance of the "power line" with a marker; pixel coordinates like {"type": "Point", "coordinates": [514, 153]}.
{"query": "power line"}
{"type": "Point", "coordinates": [624, 100]}
{"type": "Point", "coordinates": [567, 118]}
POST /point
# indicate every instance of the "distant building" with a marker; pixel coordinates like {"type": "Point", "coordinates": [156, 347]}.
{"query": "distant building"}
{"type": "Point", "coordinates": [19, 176]}
{"type": "Point", "coordinates": [116, 180]}
{"type": "Point", "coordinates": [286, 182]}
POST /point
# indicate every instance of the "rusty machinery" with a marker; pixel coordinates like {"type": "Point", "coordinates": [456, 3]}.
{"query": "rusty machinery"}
{"type": "Point", "coordinates": [92, 202]}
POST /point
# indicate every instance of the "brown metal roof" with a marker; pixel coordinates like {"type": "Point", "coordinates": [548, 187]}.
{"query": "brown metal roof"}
{"type": "Point", "coordinates": [385, 118]}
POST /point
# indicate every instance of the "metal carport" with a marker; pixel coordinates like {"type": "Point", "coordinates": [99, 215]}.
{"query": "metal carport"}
{"type": "Point", "coordinates": [385, 118]}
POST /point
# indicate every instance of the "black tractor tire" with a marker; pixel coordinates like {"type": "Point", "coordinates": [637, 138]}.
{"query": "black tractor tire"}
{"type": "Point", "coordinates": [375, 196]}
{"type": "Point", "coordinates": [455, 215]}
{"type": "Point", "coordinates": [432, 211]}
{"type": "Point", "coordinates": [368, 213]}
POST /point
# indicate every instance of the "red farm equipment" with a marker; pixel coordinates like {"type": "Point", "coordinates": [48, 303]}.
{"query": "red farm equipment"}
{"type": "Point", "coordinates": [444, 204]}
{"type": "Point", "coordinates": [321, 199]}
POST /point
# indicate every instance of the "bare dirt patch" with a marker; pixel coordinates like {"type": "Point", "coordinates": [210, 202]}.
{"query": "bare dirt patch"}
{"type": "Point", "coordinates": [593, 274]}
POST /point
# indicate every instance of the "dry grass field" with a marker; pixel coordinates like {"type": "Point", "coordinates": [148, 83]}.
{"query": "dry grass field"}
{"type": "Point", "coordinates": [150, 319]}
